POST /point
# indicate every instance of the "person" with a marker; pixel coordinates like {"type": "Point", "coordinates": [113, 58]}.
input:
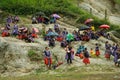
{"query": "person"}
{"type": "Point", "coordinates": [15, 30]}
{"type": "Point", "coordinates": [40, 19]}
{"type": "Point", "coordinates": [63, 43]}
{"type": "Point", "coordinates": [9, 19]}
{"type": "Point", "coordinates": [47, 58]}
{"type": "Point", "coordinates": [92, 52]}
{"type": "Point", "coordinates": [51, 41]}
{"type": "Point", "coordinates": [86, 57]}
{"type": "Point", "coordinates": [16, 18]}
{"type": "Point", "coordinates": [97, 52]}
{"type": "Point", "coordinates": [29, 38]}
{"type": "Point", "coordinates": [92, 28]}
{"type": "Point", "coordinates": [69, 54]}
{"type": "Point", "coordinates": [108, 50]}
{"type": "Point", "coordinates": [34, 34]}
{"type": "Point", "coordinates": [22, 33]}
{"type": "Point", "coordinates": [56, 27]}
{"type": "Point", "coordinates": [79, 52]}
{"type": "Point", "coordinates": [8, 26]}
{"type": "Point", "coordinates": [64, 32]}
{"type": "Point", "coordinates": [34, 20]}
{"type": "Point", "coordinates": [5, 32]}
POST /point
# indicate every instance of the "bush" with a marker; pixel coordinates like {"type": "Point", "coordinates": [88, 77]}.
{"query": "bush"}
{"type": "Point", "coordinates": [34, 56]}
{"type": "Point", "coordinates": [31, 53]}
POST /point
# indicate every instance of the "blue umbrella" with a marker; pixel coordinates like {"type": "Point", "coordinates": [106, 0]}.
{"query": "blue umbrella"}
{"type": "Point", "coordinates": [84, 27]}
{"type": "Point", "coordinates": [52, 34]}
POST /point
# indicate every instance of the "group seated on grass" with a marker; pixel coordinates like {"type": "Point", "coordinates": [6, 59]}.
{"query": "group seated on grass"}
{"type": "Point", "coordinates": [21, 32]}
{"type": "Point", "coordinates": [57, 33]}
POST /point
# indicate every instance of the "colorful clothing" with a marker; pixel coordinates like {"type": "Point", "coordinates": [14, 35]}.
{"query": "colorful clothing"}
{"type": "Point", "coordinates": [97, 52]}
{"type": "Point", "coordinates": [86, 58]}
{"type": "Point", "coordinates": [47, 58]}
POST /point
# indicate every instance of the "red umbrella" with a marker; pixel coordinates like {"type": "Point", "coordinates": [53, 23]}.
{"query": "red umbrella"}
{"type": "Point", "coordinates": [88, 21]}
{"type": "Point", "coordinates": [104, 26]}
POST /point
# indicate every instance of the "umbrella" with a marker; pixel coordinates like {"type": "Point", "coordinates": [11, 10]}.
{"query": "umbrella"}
{"type": "Point", "coordinates": [36, 30]}
{"type": "Point", "coordinates": [46, 18]}
{"type": "Point", "coordinates": [56, 16]}
{"type": "Point", "coordinates": [88, 21]}
{"type": "Point", "coordinates": [40, 14]}
{"type": "Point", "coordinates": [84, 27]}
{"type": "Point", "coordinates": [70, 36]}
{"type": "Point", "coordinates": [52, 34]}
{"type": "Point", "coordinates": [104, 26]}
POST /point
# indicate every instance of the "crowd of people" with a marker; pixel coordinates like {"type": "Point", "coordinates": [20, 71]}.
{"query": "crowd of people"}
{"type": "Point", "coordinates": [64, 37]}
{"type": "Point", "coordinates": [21, 32]}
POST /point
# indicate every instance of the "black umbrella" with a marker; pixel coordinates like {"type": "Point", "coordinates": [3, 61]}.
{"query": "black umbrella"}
{"type": "Point", "coordinates": [84, 27]}
{"type": "Point", "coordinates": [40, 13]}
{"type": "Point", "coordinates": [46, 18]}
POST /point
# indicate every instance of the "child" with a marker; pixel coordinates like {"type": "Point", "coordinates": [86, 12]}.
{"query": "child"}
{"type": "Point", "coordinates": [86, 57]}
{"type": "Point", "coordinates": [92, 52]}
{"type": "Point", "coordinates": [97, 52]}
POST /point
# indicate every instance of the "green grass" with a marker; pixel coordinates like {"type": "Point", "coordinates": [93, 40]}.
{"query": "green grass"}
{"type": "Point", "coordinates": [117, 1]}
{"type": "Point", "coordinates": [68, 76]}
{"type": "Point", "coordinates": [63, 7]}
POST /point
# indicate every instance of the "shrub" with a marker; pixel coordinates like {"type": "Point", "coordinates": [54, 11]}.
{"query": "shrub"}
{"type": "Point", "coordinates": [31, 53]}
{"type": "Point", "coordinates": [34, 56]}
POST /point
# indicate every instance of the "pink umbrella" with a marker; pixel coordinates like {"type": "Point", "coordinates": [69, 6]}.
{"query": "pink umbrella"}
{"type": "Point", "coordinates": [36, 30]}
{"type": "Point", "coordinates": [104, 26]}
{"type": "Point", "coordinates": [56, 16]}
{"type": "Point", "coordinates": [88, 21]}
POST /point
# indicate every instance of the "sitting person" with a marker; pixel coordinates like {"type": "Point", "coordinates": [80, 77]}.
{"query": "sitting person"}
{"type": "Point", "coordinates": [64, 44]}
{"type": "Point", "coordinates": [8, 26]}
{"type": "Point", "coordinates": [34, 34]}
{"type": "Point", "coordinates": [34, 20]}
{"type": "Point", "coordinates": [15, 30]}
{"type": "Point", "coordinates": [16, 19]}
{"type": "Point", "coordinates": [59, 38]}
{"type": "Point", "coordinates": [79, 52]}
{"type": "Point", "coordinates": [29, 38]}
{"type": "Point", "coordinates": [51, 42]}
{"type": "Point", "coordinates": [56, 28]}
{"type": "Point", "coordinates": [22, 33]}
{"type": "Point", "coordinates": [5, 32]}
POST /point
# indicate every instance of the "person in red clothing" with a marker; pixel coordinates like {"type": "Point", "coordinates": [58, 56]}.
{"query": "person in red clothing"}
{"type": "Point", "coordinates": [34, 34]}
{"type": "Point", "coordinates": [5, 32]}
{"type": "Point", "coordinates": [47, 58]}
{"type": "Point", "coordinates": [86, 57]}
{"type": "Point", "coordinates": [97, 52]}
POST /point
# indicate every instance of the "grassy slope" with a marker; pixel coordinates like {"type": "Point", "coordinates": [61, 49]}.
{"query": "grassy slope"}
{"type": "Point", "coordinates": [64, 7]}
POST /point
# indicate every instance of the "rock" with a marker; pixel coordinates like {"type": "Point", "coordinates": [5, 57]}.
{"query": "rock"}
{"type": "Point", "coordinates": [98, 9]}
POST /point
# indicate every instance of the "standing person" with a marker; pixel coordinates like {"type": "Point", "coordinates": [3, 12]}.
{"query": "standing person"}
{"type": "Point", "coordinates": [47, 58]}
{"type": "Point", "coordinates": [97, 52]}
{"type": "Point", "coordinates": [108, 50]}
{"type": "Point", "coordinates": [69, 54]}
{"type": "Point", "coordinates": [86, 57]}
